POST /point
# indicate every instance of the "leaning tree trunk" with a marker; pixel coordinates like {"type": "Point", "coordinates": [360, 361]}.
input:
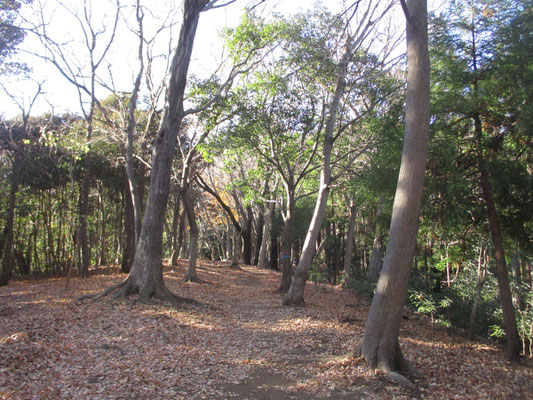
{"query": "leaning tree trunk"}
{"type": "Point", "coordinates": [380, 346]}
{"type": "Point", "coordinates": [146, 276]}
{"type": "Point", "coordinates": [295, 294]}
{"type": "Point", "coordinates": [512, 350]}
{"type": "Point", "coordinates": [7, 248]}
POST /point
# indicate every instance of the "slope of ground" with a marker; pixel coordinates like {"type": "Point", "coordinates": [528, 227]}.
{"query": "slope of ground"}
{"type": "Point", "coordinates": [239, 344]}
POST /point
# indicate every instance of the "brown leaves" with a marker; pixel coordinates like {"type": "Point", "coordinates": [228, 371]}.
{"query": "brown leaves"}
{"type": "Point", "coordinates": [241, 344]}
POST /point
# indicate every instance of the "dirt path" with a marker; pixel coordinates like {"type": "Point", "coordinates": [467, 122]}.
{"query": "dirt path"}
{"type": "Point", "coordinates": [241, 344]}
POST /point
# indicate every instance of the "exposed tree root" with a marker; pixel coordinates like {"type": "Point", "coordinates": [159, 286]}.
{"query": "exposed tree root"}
{"type": "Point", "coordinates": [146, 296]}
{"type": "Point", "coordinates": [396, 371]}
{"type": "Point", "coordinates": [290, 300]}
{"type": "Point", "coordinates": [94, 296]}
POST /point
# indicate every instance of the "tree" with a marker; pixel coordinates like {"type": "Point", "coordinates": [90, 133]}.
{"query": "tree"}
{"type": "Point", "coordinates": [11, 35]}
{"type": "Point", "coordinates": [490, 131]}
{"type": "Point", "coordinates": [380, 345]}
{"type": "Point", "coordinates": [12, 138]}
{"type": "Point", "coordinates": [146, 275]}
{"type": "Point", "coordinates": [352, 45]}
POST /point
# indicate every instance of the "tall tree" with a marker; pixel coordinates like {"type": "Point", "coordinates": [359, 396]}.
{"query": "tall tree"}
{"type": "Point", "coordinates": [146, 275]}
{"type": "Point", "coordinates": [371, 15]}
{"type": "Point", "coordinates": [380, 345]}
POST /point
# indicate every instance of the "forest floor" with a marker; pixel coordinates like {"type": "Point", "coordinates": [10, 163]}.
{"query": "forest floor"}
{"type": "Point", "coordinates": [239, 343]}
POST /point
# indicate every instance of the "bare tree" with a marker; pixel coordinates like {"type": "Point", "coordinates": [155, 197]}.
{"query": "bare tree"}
{"type": "Point", "coordinates": [97, 41]}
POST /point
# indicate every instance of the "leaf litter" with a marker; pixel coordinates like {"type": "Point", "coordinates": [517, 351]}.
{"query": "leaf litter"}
{"type": "Point", "coordinates": [240, 343]}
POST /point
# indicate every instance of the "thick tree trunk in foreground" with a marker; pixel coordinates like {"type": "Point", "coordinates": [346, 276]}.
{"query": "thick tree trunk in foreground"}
{"type": "Point", "coordinates": [146, 276]}
{"type": "Point", "coordinates": [296, 291]}
{"type": "Point", "coordinates": [380, 346]}
{"type": "Point", "coordinates": [7, 248]}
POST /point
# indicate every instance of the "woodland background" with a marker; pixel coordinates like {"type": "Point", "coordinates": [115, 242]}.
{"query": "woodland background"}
{"type": "Point", "coordinates": [246, 175]}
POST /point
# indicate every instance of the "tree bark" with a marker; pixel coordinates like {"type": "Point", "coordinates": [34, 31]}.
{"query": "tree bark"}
{"type": "Point", "coordinates": [380, 345]}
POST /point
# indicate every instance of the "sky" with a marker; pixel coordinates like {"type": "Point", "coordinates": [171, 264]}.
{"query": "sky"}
{"type": "Point", "coordinates": [60, 95]}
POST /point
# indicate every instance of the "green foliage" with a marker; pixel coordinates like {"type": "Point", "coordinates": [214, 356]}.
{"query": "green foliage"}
{"type": "Point", "coordinates": [11, 35]}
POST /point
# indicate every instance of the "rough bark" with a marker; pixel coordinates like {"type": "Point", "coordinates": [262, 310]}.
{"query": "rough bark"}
{"type": "Point", "coordinates": [146, 275]}
{"type": "Point", "coordinates": [380, 345]}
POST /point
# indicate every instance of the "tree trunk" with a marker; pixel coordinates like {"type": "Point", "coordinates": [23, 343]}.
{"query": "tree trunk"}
{"type": "Point", "coordinates": [374, 267]}
{"type": "Point", "coordinates": [188, 208]}
{"type": "Point", "coordinates": [146, 276]}
{"type": "Point", "coordinates": [259, 236]}
{"type": "Point", "coordinates": [128, 252]}
{"type": "Point", "coordinates": [286, 242]}
{"type": "Point", "coordinates": [512, 350]}
{"type": "Point", "coordinates": [247, 237]}
{"type": "Point", "coordinates": [481, 279]}
{"type": "Point", "coordinates": [296, 291]}
{"type": "Point", "coordinates": [349, 243]}
{"type": "Point", "coordinates": [261, 263]}
{"type": "Point", "coordinates": [273, 260]}
{"type": "Point", "coordinates": [175, 225]}
{"type": "Point", "coordinates": [380, 346]}
{"type": "Point", "coordinates": [7, 248]}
